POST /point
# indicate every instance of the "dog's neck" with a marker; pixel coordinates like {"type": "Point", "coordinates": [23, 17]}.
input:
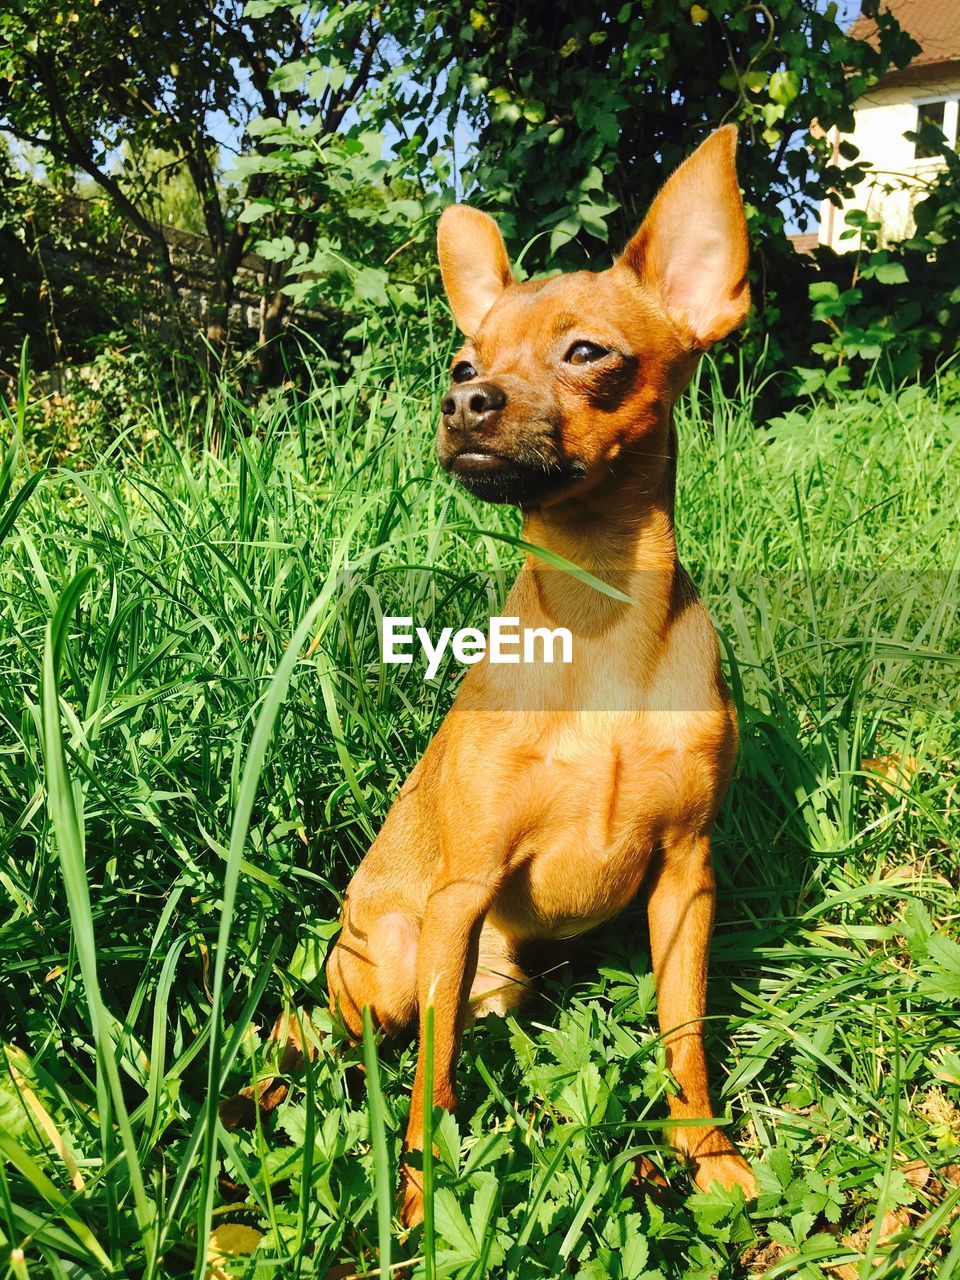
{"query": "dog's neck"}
{"type": "Point", "coordinates": [621, 532]}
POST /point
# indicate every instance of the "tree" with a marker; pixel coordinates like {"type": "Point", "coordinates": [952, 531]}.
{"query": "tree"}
{"type": "Point", "coordinates": [95, 86]}
{"type": "Point", "coordinates": [580, 110]}
{"type": "Point", "coordinates": [340, 117]}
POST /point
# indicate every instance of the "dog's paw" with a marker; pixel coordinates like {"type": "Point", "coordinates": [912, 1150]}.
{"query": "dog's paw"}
{"type": "Point", "coordinates": [728, 1171]}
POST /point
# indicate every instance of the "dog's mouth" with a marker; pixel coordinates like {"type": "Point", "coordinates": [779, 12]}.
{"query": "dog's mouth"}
{"type": "Point", "coordinates": [495, 477]}
{"type": "Point", "coordinates": [479, 462]}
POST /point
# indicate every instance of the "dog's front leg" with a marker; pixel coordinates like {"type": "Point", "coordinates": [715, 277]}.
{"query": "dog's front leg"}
{"type": "Point", "coordinates": [680, 909]}
{"type": "Point", "coordinates": [446, 966]}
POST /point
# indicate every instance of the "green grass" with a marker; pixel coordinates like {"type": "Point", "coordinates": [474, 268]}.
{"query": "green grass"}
{"type": "Point", "coordinates": [198, 744]}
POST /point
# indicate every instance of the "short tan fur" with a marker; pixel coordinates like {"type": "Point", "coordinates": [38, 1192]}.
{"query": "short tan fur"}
{"type": "Point", "coordinates": [551, 793]}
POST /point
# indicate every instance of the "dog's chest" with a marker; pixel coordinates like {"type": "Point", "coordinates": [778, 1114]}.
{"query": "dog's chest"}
{"type": "Point", "coordinates": [576, 808]}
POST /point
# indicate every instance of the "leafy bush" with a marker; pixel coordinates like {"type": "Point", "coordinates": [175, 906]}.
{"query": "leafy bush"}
{"type": "Point", "coordinates": [70, 283]}
{"type": "Point", "coordinates": [357, 224]}
{"type": "Point", "coordinates": [581, 113]}
{"type": "Point", "coordinates": [576, 118]}
{"type": "Point", "coordinates": [108, 405]}
{"type": "Point", "coordinates": [892, 310]}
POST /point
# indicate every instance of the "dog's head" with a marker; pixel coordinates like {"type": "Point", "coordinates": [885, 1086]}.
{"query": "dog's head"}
{"type": "Point", "coordinates": [559, 376]}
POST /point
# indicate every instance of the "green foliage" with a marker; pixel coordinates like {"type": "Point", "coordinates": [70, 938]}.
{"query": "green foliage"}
{"type": "Point", "coordinates": [215, 851]}
{"type": "Point", "coordinates": [575, 120]}
{"type": "Point", "coordinates": [891, 309]}
{"type": "Point", "coordinates": [347, 118]}
{"type": "Point", "coordinates": [141, 101]}
{"type": "Point", "coordinates": [23, 204]}
{"type": "Point", "coordinates": [366, 221]}
{"type": "Point", "coordinates": [171, 198]}
{"type": "Point", "coordinates": [107, 404]}
{"type": "Point", "coordinates": [72, 284]}
{"type": "Point", "coordinates": [581, 113]}
{"type": "Point", "coordinates": [348, 216]}
{"type": "Point", "coordinates": [99, 88]}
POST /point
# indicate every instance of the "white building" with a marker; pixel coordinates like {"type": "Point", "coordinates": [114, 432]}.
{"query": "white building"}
{"type": "Point", "coordinates": [928, 89]}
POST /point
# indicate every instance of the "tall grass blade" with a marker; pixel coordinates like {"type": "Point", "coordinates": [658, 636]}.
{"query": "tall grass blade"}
{"type": "Point", "coordinates": [52, 1194]}
{"type": "Point", "coordinates": [246, 795]}
{"type": "Point", "coordinates": [63, 798]}
{"type": "Point", "coordinates": [429, 1190]}
{"type": "Point", "coordinates": [557, 561]}
{"type": "Point", "coordinates": [382, 1171]}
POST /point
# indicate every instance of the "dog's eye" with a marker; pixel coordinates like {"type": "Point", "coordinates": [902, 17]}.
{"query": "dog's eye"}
{"type": "Point", "coordinates": [585, 353]}
{"type": "Point", "coordinates": [463, 371]}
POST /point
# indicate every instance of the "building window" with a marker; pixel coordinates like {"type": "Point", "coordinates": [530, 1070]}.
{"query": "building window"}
{"type": "Point", "coordinates": [928, 113]}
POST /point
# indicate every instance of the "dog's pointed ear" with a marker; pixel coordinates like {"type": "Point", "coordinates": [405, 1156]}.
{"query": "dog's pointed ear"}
{"type": "Point", "coordinates": [473, 263]}
{"type": "Point", "coordinates": [692, 246]}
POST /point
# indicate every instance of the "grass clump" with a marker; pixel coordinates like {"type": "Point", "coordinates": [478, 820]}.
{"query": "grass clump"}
{"type": "Point", "coordinates": [199, 743]}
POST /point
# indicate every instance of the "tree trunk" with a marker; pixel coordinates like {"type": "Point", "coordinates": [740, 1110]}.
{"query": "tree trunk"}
{"type": "Point", "coordinates": [272, 313]}
{"type": "Point", "coordinates": [219, 298]}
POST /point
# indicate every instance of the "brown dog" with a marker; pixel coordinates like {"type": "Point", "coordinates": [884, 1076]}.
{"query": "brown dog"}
{"type": "Point", "coordinates": [551, 792]}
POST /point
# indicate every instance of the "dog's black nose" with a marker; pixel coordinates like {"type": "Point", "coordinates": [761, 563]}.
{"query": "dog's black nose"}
{"type": "Point", "coordinates": [467, 405]}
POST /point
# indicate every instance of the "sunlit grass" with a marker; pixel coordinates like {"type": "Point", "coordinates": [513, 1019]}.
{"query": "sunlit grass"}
{"type": "Point", "coordinates": [198, 742]}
